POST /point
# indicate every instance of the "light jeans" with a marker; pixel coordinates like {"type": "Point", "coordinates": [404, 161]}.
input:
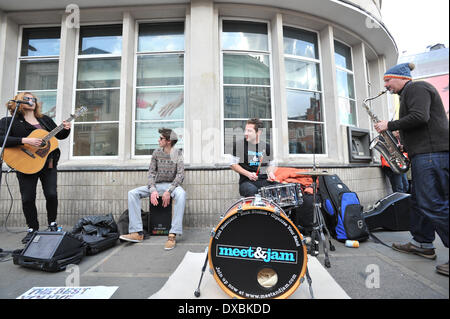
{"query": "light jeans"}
{"type": "Point", "coordinates": [134, 207]}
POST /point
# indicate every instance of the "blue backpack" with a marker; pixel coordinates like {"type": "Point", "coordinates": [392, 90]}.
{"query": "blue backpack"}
{"type": "Point", "coordinates": [342, 210]}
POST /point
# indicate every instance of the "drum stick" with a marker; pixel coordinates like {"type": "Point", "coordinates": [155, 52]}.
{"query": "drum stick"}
{"type": "Point", "coordinates": [259, 166]}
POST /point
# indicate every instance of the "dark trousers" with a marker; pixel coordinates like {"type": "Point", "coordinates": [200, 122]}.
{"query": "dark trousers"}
{"type": "Point", "coordinates": [399, 182]}
{"type": "Point", "coordinates": [250, 188]}
{"type": "Point", "coordinates": [430, 197]}
{"type": "Point", "coordinates": [28, 184]}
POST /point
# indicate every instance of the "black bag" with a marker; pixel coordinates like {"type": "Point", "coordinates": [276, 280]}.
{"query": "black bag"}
{"type": "Point", "coordinates": [97, 233]}
{"type": "Point", "coordinates": [304, 214]}
{"type": "Point", "coordinates": [123, 222]}
{"type": "Point", "coordinates": [50, 251]}
{"type": "Point", "coordinates": [342, 210]}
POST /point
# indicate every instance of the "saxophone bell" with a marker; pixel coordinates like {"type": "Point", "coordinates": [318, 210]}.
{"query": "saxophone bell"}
{"type": "Point", "coordinates": [386, 143]}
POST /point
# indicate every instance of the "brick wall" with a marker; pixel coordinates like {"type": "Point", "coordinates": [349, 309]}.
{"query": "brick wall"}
{"type": "Point", "coordinates": [209, 193]}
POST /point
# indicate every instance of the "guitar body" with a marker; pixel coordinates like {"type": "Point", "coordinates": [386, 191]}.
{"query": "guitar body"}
{"type": "Point", "coordinates": [29, 159]}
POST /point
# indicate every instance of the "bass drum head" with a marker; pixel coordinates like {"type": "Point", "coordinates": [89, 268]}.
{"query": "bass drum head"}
{"type": "Point", "coordinates": [257, 253]}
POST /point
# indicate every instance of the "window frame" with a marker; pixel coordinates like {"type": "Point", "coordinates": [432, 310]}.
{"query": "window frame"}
{"type": "Point", "coordinates": [20, 58]}
{"type": "Point", "coordinates": [75, 90]}
{"type": "Point", "coordinates": [135, 87]}
{"type": "Point", "coordinates": [355, 99]}
{"type": "Point", "coordinates": [321, 92]}
{"type": "Point", "coordinates": [274, 134]}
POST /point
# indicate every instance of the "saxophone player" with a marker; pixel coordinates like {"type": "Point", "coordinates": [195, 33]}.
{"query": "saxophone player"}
{"type": "Point", "coordinates": [423, 127]}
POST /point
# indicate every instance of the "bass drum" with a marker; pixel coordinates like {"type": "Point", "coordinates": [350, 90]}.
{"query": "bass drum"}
{"type": "Point", "coordinates": [256, 251]}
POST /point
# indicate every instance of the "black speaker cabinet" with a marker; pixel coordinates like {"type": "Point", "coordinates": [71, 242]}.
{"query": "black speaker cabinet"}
{"type": "Point", "coordinates": [50, 251]}
{"type": "Point", "coordinates": [390, 213]}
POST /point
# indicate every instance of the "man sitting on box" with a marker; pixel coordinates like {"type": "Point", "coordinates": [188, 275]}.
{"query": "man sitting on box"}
{"type": "Point", "coordinates": [165, 175]}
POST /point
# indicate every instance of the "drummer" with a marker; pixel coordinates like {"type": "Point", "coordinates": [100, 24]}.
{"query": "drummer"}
{"type": "Point", "coordinates": [252, 158]}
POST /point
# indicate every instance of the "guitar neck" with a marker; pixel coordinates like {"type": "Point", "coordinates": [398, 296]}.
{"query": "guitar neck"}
{"type": "Point", "coordinates": [56, 130]}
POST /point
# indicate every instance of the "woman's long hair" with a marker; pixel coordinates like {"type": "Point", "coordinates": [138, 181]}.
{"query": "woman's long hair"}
{"type": "Point", "coordinates": [11, 105]}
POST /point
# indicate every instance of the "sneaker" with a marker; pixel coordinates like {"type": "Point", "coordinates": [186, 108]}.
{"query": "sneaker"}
{"type": "Point", "coordinates": [442, 269]}
{"type": "Point", "coordinates": [171, 242]}
{"type": "Point", "coordinates": [30, 233]}
{"type": "Point", "coordinates": [52, 227]}
{"type": "Point", "coordinates": [133, 237]}
{"type": "Point", "coordinates": [412, 249]}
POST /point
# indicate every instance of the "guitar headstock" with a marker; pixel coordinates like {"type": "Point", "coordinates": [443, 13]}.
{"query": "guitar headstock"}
{"type": "Point", "coordinates": [79, 112]}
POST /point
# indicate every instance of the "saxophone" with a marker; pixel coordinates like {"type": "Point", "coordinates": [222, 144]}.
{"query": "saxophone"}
{"type": "Point", "coordinates": [386, 143]}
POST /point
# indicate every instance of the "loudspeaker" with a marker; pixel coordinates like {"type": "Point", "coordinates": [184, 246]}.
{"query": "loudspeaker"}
{"type": "Point", "coordinates": [160, 218]}
{"type": "Point", "coordinates": [50, 251]}
{"type": "Point", "coordinates": [390, 213]}
{"type": "Point", "coordinates": [46, 245]}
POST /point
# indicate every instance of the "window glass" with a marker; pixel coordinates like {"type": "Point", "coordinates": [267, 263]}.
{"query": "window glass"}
{"type": "Point", "coordinates": [38, 75]}
{"type": "Point", "coordinates": [40, 41]}
{"type": "Point", "coordinates": [101, 39]}
{"type": "Point", "coordinates": [305, 138]}
{"type": "Point", "coordinates": [147, 136]}
{"type": "Point", "coordinates": [96, 139]}
{"type": "Point", "coordinates": [246, 36]}
{"type": "Point", "coordinates": [98, 73]}
{"type": "Point", "coordinates": [342, 55]}
{"type": "Point", "coordinates": [102, 105]}
{"type": "Point", "coordinates": [160, 70]}
{"type": "Point", "coordinates": [300, 43]}
{"type": "Point", "coordinates": [158, 37]}
{"type": "Point", "coordinates": [302, 75]}
{"type": "Point", "coordinates": [159, 84]}
{"type": "Point", "coordinates": [303, 106]}
{"type": "Point", "coordinates": [246, 69]}
{"type": "Point", "coordinates": [160, 103]}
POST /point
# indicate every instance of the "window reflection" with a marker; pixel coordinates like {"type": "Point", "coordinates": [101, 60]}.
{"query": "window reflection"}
{"type": "Point", "coordinates": [101, 39]}
{"type": "Point", "coordinates": [305, 138]}
{"type": "Point", "coordinates": [159, 37]}
{"type": "Point", "coordinates": [96, 139]}
{"type": "Point", "coordinates": [302, 75]}
{"type": "Point", "coordinates": [246, 69]}
{"type": "Point", "coordinates": [159, 84]}
{"type": "Point", "coordinates": [40, 42]}
{"type": "Point", "coordinates": [98, 73]}
{"type": "Point", "coordinates": [160, 70]}
{"type": "Point", "coordinates": [160, 103]}
{"type": "Point", "coordinates": [246, 36]}
{"type": "Point", "coordinates": [147, 136]}
{"type": "Point", "coordinates": [38, 75]}
{"type": "Point", "coordinates": [300, 42]}
{"type": "Point", "coordinates": [304, 106]}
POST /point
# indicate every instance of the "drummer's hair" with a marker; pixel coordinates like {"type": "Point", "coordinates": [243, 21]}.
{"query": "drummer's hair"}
{"type": "Point", "coordinates": [256, 122]}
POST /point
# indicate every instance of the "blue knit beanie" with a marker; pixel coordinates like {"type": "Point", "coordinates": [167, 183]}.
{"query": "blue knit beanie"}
{"type": "Point", "coordinates": [400, 71]}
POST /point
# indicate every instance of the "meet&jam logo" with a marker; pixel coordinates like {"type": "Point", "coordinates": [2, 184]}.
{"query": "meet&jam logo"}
{"type": "Point", "coordinates": [257, 254]}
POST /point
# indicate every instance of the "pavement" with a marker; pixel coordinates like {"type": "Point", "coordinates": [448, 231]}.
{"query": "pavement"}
{"type": "Point", "coordinates": [372, 271]}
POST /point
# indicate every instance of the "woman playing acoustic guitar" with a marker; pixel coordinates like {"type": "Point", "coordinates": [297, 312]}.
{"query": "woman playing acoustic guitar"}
{"type": "Point", "coordinates": [29, 118]}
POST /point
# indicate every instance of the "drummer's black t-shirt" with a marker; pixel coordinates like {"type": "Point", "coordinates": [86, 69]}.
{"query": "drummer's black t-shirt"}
{"type": "Point", "coordinates": [250, 155]}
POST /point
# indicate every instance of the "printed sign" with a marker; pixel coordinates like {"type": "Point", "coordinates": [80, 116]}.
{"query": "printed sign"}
{"type": "Point", "coordinates": [98, 292]}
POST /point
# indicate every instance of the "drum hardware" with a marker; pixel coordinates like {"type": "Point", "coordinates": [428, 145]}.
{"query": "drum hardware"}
{"type": "Point", "coordinates": [318, 221]}
{"type": "Point", "coordinates": [246, 263]}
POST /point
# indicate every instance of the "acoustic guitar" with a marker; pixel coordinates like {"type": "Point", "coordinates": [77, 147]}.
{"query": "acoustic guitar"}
{"type": "Point", "coordinates": [30, 159]}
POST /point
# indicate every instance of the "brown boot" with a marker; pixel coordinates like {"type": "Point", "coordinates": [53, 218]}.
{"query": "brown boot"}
{"type": "Point", "coordinates": [442, 269]}
{"type": "Point", "coordinates": [409, 248]}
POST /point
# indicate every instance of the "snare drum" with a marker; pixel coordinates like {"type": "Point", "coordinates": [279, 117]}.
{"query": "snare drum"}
{"type": "Point", "coordinates": [285, 195]}
{"type": "Point", "coordinates": [256, 251]}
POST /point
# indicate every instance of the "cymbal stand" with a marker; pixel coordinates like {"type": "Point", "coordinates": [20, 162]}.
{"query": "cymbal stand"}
{"type": "Point", "coordinates": [318, 228]}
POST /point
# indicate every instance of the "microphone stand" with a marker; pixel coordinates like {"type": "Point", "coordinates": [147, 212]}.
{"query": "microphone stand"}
{"type": "Point", "coordinates": [4, 142]}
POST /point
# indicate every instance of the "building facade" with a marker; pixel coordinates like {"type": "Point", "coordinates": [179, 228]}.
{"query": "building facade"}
{"type": "Point", "coordinates": [201, 67]}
